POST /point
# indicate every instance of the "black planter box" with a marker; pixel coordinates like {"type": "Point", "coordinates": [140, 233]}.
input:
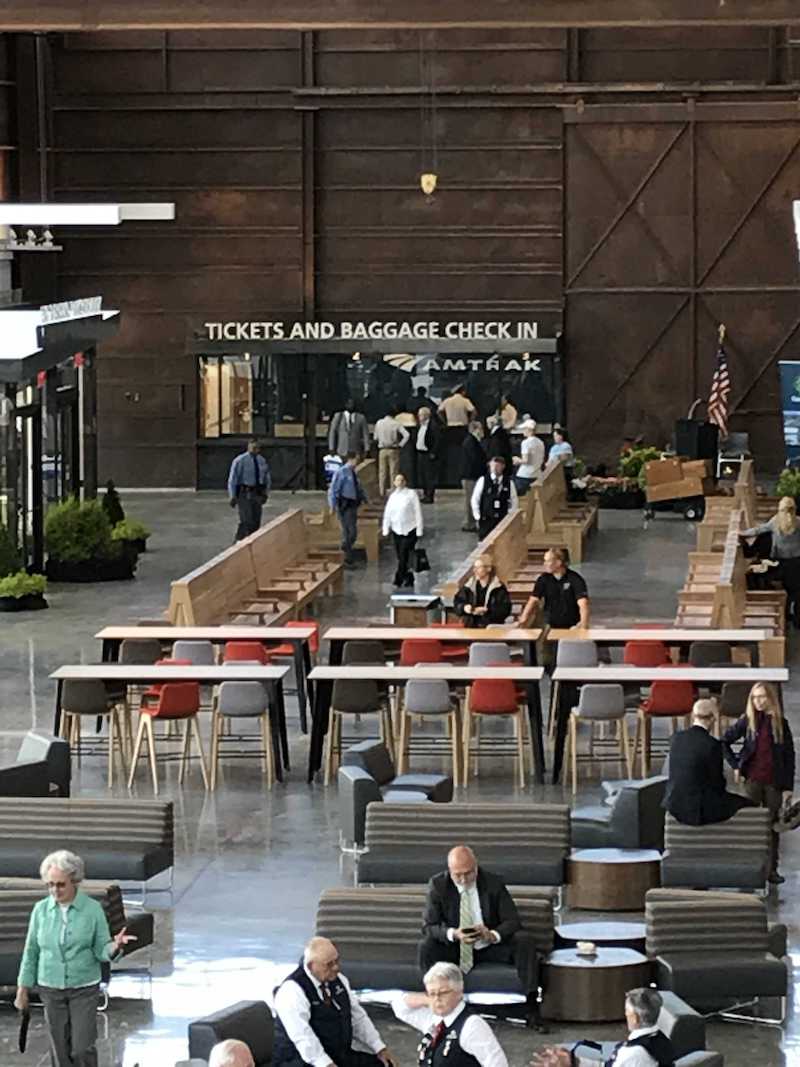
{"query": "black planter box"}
{"type": "Point", "coordinates": [30, 602]}
{"type": "Point", "coordinates": [93, 570]}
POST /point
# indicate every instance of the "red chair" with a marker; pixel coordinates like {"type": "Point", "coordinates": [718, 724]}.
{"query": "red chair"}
{"type": "Point", "coordinates": [451, 650]}
{"type": "Point", "coordinates": [420, 650]}
{"type": "Point", "coordinates": [490, 696]}
{"type": "Point", "coordinates": [673, 700]}
{"type": "Point", "coordinates": [176, 701]}
{"type": "Point", "coordinates": [645, 654]}
{"type": "Point", "coordinates": [285, 651]}
{"type": "Point", "coordinates": [249, 651]}
{"type": "Point", "coordinates": [153, 692]}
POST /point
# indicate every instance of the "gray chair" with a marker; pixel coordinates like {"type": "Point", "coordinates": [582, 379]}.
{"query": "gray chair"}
{"type": "Point", "coordinates": [141, 650]}
{"type": "Point", "coordinates": [603, 703]}
{"type": "Point", "coordinates": [248, 1020]}
{"type": "Point", "coordinates": [242, 700]}
{"type": "Point", "coordinates": [709, 654]}
{"type": "Point", "coordinates": [734, 854]}
{"type": "Point", "coordinates": [363, 653]}
{"type": "Point", "coordinates": [732, 702]}
{"type": "Point", "coordinates": [569, 653]}
{"type": "Point", "coordinates": [42, 768]}
{"type": "Point", "coordinates": [633, 819]}
{"type": "Point", "coordinates": [429, 698]}
{"type": "Point", "coordinates": [199, 653]}
{"type": "Point", "coordinates": [354, 697]}
{"type": "Point", "coordinates": [91, 698]}
{"type": "Point", "coordinates": [488, 653]}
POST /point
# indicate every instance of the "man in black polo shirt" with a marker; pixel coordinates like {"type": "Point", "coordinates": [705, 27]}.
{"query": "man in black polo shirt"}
{"type": "Point", "coordinates": [564, 593]}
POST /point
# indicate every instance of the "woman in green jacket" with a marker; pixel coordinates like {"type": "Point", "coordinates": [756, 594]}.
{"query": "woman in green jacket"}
{"type": "Point", "coordinates": [68, 938]}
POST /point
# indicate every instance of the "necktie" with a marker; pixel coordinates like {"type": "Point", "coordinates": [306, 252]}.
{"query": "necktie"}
{"type": "Point", "coordinates": [326, 993]}
{"type": "Point", "coordinates": [465, 919]}
{"type": "Point", "coordinates": [437, 1034]}
{"type": "Point", "coordinates": [256, 478]}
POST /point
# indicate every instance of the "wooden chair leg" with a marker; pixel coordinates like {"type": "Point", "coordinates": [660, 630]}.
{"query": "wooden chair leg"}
{"type": "Point", "coordinates": [402, 744]}
{"type": "Point", "coordinates": [466, 731]}
{"type": "Point", "coordinates": [137, 748]}
{"type": "Point", "coordinates": [555, 693]}
{"type": "Point", "coordinates": [647, 740]}
{"type": "Point", "coordinates": [151, 751]}
{"type": "Point", "coordinates": [111, 734]}
{"type": "Point", "coordinates": [330, 744]}
{"type": "Point", "coordinates": [184, 752]}
{"type": "Point", "coordinates": [637, 737]}
{"type": "Point", "coordinates": [215, 728]}
{"type": "Point", "coordinates": [625, 743]}
{"type": "Point", "coordinates": [201, 754]}
{"type": "Point", "coordinates": [455, 742]}
{"type": "Point", "coordinates": [269, 760]}
{"type": "Point", "coordinates": [519, 730]}
{"type": "Point", "coordinates": [476, 720]}
{"type": "Point", "coordinates": [573, 736]}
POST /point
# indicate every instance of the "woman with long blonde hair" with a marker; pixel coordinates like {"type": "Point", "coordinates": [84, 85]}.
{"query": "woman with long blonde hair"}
{"type": "Point", "coordinates": [765, 759]}
{"type": "Point", "coordinates": [785, 549]}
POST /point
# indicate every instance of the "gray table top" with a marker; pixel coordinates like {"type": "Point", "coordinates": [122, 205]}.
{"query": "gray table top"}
{"type": "Point", "coordinates": [602, 931]}
{"type": "Point", "coordinates": [615, 855]}
{"type": "Point", "coordinates": [604, 958]}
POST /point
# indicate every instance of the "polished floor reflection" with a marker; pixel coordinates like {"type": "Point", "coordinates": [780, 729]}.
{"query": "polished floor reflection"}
{"type": "Point", "coordinates": [252, 864]}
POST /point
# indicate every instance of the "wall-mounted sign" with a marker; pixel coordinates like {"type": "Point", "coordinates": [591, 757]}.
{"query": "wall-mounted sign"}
{"type": "Point", "coordinates": [371, 331]}
{"type": "Point", "coordinates": [71, 309]}
{"type": "Point", "coordinates": [790, 396]}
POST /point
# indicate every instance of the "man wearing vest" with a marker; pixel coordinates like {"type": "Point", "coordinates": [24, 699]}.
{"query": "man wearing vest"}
{"type": "Point", "coordinates": [318, 1020]}
{"type": "Point", "coordinates": [493, 497]}
{"type": "Point", "coordinates": [645, 1046]}
{"type": "Point", "coordinates": [451, 1035]}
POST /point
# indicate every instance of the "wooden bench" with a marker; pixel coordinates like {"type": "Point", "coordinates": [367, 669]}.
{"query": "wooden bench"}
{"type": "Point", "coordinates": [550, 520]}
{"type": "Point", "coordinates": [757, 509]}
{"type": "Point", "coordinates": [269, 577]}
{"type": "Point", "coordinates": [323, 527]}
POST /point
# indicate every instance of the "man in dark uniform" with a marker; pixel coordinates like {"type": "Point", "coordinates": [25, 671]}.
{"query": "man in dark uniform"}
{"type": "Point", "coordinates": [493, 497]}
{"type": "Point", "coordinates": [318, 1019]}
{"type": "Point", "coordinates": [249, 483]}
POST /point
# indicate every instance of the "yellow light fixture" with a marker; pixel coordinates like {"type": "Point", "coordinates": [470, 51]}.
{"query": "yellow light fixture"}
{"type": "Point", "coordinates": [428, 183]}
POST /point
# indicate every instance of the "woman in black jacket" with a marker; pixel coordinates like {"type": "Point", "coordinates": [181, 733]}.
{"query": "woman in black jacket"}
{"type": "Point", "coordinates": [482, 600]}
{"type": "Point", "coordinates": [766, 757]}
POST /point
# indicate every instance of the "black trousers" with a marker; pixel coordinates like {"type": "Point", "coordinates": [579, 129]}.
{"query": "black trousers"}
{"type": "Point", "coordinates": [485, 526]}
{"type": "Point", "coordinates": [789, 571]}
{"type": "Point", "coordinates": [250, 506]}
{"type": "Point", "coordinates": [519, 950]}
{"type": "Point", "coordinates": [427, 470]}
{"type": "Point", "coordinates": [403, 546]}
{"type": "Point", "coordinates": [355, 1059]}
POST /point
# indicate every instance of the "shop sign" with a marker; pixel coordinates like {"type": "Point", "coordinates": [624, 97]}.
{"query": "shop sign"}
{"type": "Point", "coordinates": [371, 331]}
{"type": "Point", "coordinates": [71, 309]}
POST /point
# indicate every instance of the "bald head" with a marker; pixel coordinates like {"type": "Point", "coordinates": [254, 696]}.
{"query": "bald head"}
{"type": "Point", "coordinates": [231, 1053]}
{"type": "Point", "coordinates": [321, 957]}
{"type": "Point", "coordinates": [462, 864]}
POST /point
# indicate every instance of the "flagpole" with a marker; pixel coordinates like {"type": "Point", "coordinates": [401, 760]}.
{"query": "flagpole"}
{"type": "Point", "coordinates": [721, 333]}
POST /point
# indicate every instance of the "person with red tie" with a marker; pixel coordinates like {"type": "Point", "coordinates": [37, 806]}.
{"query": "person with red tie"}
{"type": "Point", "coordinates": [451, 1035]}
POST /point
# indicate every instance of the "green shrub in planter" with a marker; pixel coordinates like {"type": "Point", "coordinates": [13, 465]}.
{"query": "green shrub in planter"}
{"type": "Point", "coordinates": [77, 531]}
{"type": "Point", "coordinates": [631, 463]}
{"type": "Point", "coordinates": [9, 559]}
{"type": "Point", "coordinates": [788, 483]}
{"type": "Point", "coordinates": [130, 530]}
{"type": "Point", "coordinates": [23, 584]}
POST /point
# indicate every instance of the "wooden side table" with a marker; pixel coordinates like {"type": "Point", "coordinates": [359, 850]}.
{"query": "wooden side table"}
{"type": "Point", "coordinates": [612, 879]}
{"type": "Point", "coordinates": [588, 989]}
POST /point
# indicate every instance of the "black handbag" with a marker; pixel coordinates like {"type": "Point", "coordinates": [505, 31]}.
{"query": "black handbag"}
{"type": "Point", "coordinates": [421, 561]}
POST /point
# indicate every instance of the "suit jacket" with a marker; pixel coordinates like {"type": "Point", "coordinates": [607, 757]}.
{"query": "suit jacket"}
{"type": "Point", "coordinates": [442, 906]}
{"type": "Point", "coordinates": [696, 793]}
{"type": "Point", "coordinates": [433, 437]}
{"type": "Point", "coordinates": [473, 459]}
{"type": "Point", "coordinates": [498, 443]}
{"type": "Point", "coordinates": [356, 439]}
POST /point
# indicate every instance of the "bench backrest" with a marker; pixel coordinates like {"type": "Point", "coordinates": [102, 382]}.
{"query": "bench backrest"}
{"type": "Point", "coordinates": [16, 906]}
{"type": "Point", "coordinates": [276, 545]}
{"type": "Point", "coordinates": [506, 545]}
{"type": "Point", "coordinates": [698, 921]}
{"type": "Point", "coordinates": [547, 497]}
{"type": "Point", "coordinates": [516, 827]}
{"type": "Point", "coordinates": [93, 821]}
{"type": "Point", "coordinates": [385, 923]}
{"type": "Point", "coordinates": [367, 474]}
{"type": "Point", "coordinates": [747, 833]}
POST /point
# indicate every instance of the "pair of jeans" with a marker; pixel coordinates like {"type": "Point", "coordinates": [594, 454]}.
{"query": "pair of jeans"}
{"type": "Point", "coordinates": [348, 520]}
{"type": "Point", "coordinates": [771, 798]}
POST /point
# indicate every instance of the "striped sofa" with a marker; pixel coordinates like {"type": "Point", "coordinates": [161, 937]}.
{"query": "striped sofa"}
{"type": "Point", "coordinates": [377, 930]}
{"type": "Point", "coordinates": [17, 898]}
{"type": "Point", "coordinates": [525, 844]}
{"type": "Point", "coordinates": [724, 855]}
{"type": "Point", "coordinates": [714, 948]}
{"type": "Point", "coordinates": [120, 840]}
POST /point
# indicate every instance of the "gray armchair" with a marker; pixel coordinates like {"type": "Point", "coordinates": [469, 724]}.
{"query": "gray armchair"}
{"type": "Point", "coordinates": [42, 768]}
{"type": "Point", "coordinates": [248, 1020]}
{"type": "Point", "coordinates": [367, 775]}
{"type": "Point", "coordinates": [634, 818]}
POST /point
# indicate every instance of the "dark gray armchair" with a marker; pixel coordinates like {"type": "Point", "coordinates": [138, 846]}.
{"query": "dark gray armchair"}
{"type": "Point", "coordinates": [249, 1021]}
{"type": "Point", "coordinates": [42, 768]}
{"type": "Point", "coordinates": [634, 818]}
{"type": "Point", "coordinates": [367, 774]}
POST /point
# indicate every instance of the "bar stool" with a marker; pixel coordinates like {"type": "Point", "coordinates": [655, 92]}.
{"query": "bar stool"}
{"type": "Point", "coordinates": [245, 700]}
{"type": "Point", "coordinates": [569, 653]}
{"type": "Point", "coordinates": [177, 701]}
{"type": "Point", "coordinates": [603, 703]}
{"type": "Point", "coordinates": [91, 698]}
{"type": "Point", "coordinates": [354, 697]}
{"type": "Point", "coordinates": [429, 698]}
{"type": "Point", "coordinates": [672, 700]}
{"type": "Point", "coordinates": [493, 697]}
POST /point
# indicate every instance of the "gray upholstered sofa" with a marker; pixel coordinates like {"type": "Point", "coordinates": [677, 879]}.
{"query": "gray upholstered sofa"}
{"type": "Point", "coordinates": [715, 949]}
{"type": "Point", "coordinates": [634, 818]}
{"type": "Point", "coordinates": [367, 774]}
{"type": "Point", "coordinates": [249, 1021]}
{"type": "Point", "coordinates": [120, 840]}
{"type": "Point", "coordinates": [526, 844]}
{"type": "Point", "coordinates": [42, 768]}
{"type": "Point", "coordinates": [723, 855]}
{"type": "Point", "coordinates": [377, 930]}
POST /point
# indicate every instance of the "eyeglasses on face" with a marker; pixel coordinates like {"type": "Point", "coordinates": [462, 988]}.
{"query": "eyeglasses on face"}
{"type": "Point", "coordinates": [57, 885]}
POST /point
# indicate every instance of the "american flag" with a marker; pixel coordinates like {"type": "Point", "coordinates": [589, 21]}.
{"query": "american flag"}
{"type": "Point", "coordinates": [720, 392]}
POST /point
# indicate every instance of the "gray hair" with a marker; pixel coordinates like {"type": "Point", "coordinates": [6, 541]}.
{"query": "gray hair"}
{"type": "Point", "coordinates": [231, 1053]}
{"type": "Point", "coordinates": [67, 862]}
{"type": "Point", "coordinates": [448, 972]}
{"type": "Point", "coordinates": [645, 1003]}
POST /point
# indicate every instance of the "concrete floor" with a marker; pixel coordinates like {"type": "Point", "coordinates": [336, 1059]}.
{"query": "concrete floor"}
{"type": "Point", "coordinates": [250, 864]}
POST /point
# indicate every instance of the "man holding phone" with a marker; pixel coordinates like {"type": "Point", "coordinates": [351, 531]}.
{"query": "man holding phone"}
{"type": "Point", "coordinates": [471, 919]}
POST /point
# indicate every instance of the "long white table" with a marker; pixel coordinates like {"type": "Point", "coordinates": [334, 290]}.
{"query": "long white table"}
{"type": "Point", "coordinates": [446, 671]}
{"type": "Point", "coordinates": [670, 636]}
{"type": "Point", "coordinates": [678, 673]}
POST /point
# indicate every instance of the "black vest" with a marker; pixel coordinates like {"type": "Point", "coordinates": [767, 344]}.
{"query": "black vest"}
{"type": "Point", "coordinates": [495, 498]}
{"type": "Point", "coordinates": [448, 1052]}
{"type": "Point", "coordinates": [657, 1044]}
{"type": "Point", "coordinates": [331, 1023]}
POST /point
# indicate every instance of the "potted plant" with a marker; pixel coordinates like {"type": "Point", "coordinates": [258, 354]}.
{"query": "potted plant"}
{"type": "Point", "coordinates": [21, 591]}
{"type": "Point", "coordinates": [133, 533]}
{"type": "Point", "coordinates": [789, 483]}
{"type": "Point", "coordinates": [631, 463]}
{"type": "Point", "coordinates": [79, 545]}
{"type": "Point", "coordinates": [618, 493]}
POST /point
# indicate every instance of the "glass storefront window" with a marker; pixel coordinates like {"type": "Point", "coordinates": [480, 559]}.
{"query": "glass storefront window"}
{"type": "Point", "coordinates": [234, 395]}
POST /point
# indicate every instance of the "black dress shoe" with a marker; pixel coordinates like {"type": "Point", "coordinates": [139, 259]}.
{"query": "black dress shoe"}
{"type": "Point", "coordinates": [409, 581]}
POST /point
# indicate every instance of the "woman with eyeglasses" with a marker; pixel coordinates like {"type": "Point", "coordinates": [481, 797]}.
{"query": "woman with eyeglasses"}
{"type": "Point", "coordinates": [68, 938]}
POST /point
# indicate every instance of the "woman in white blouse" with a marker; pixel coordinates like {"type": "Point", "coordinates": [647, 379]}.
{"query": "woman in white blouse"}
{"type": "Point", "coordinates": [402, 517]}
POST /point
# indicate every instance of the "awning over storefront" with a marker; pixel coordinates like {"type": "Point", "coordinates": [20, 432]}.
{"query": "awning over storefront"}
{"type": "Point", "coordinates": [35, 339]}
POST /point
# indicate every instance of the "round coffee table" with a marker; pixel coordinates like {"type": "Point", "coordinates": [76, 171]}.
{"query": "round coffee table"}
{"type": "Point", "coordinates": [606, 934]}
{"type": "Point", "coordinates": [612, 879]}
{"type": "Point", "coordinates": [588, 989]}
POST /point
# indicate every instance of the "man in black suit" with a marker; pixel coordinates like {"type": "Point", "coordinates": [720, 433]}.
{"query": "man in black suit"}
{"type": "Point", "coordinates": [696, 793]}
{"type": "Point", "coordinates": [471, 919]}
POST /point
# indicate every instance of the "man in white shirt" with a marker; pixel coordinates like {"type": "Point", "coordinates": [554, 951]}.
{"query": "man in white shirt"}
{"type": "Point", "coordinates": [645, 1045]}
{"type": "Point", "coordinates": [457, 409]}
{"type": "Point", "coordinates": [390, 437]}
{"type": "Point", "coordinates": [318, 1020]}
{"type": "Point", "coordinates": [452, 1035]}
{"type": "Point", "coordinates": [493, 497]}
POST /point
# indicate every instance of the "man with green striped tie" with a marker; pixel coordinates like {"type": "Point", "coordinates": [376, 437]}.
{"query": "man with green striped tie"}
{"type": "Point", "coordinates": [471, 919]}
